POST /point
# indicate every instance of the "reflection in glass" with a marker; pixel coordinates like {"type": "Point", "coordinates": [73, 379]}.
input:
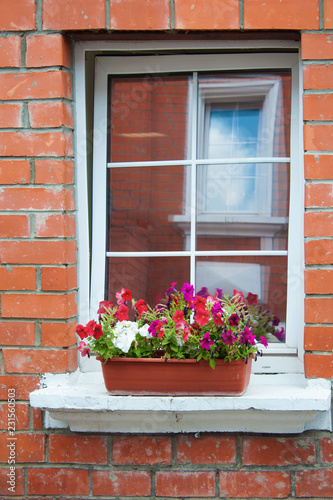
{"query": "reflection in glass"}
{"type": "Point", "coordinates": [147, 277]}
{"type": "Point", "coordinates": [149, 117]}
{"type": "Point", "coordinates": [263, 276]}
{"type": "Point", "coordinates": [142, 203]}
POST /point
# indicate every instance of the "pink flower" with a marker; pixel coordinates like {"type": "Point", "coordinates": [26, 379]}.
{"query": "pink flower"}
{"type": "Point", "coordinates": [103, 306]}
{"type": "Point", "coordinates": [263, 341]}
{"type": "Point", "coordinates": [206, 342]}
{"type": "Point", "coordinates": [84, 349]}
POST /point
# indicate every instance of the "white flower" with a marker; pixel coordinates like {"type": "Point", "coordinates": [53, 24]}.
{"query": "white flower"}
{"type": "Point", "coordinates": [125, 332]}
{"type": "Point", "coordinates": [144, 331]}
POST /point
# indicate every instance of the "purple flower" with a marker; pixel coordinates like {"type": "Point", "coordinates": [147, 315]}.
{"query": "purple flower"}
{"type": "Point", "coordinates": [153, 328]}
{"type": "Point", "coordinates": [228, 337]}
{"type": "Point", "coordinates": [234, 319]}
{"type": "Point", "coordinates": [216, 308]}
{"type": "Point", "coordinates": [172, 288]}
{"type": "Point", "coordinates": [188, 291]}
{"type": "Point", "coordinates": [276, 321]}
{"type": "Point", "coordinates": [203, 292]}
{"type": "Point", "coordinates": [219, 293]}
{"type": "Point", "coordinates": [247, 337]}
{"type": "Point", "coordinates": [206, 342]}
{"type": "Point", "coordinates": [280, 335]}
{"type": "Point", "coordinates": [263, 341]}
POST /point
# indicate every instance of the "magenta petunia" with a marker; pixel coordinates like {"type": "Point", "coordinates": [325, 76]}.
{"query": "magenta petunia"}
{"type": "Point", "coordinates": [206, 342]}
{"type": "Point", "coordinates": [228, 337]}
{"type": "Point", "coordinates": [234, 319]}
{"type": "Point", "coordinates": [188, 291]}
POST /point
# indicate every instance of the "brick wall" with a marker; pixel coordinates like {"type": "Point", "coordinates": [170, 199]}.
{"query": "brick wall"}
{"type": "Point", "coordinates": [38, 257]}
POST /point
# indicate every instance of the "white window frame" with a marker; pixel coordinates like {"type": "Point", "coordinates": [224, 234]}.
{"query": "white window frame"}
{"type": "Point", "coordinates": [292, 349]}
{"type": "Point", "coordinates": [285, 403]}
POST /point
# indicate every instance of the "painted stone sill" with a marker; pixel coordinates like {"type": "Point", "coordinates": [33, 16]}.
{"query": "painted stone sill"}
{"type": "Point", "coordinates": [272, 404]}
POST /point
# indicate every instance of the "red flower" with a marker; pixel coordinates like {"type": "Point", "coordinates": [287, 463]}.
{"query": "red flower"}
{"type": "Point", "coordinates": [82, 331]}
{"type": "Point", "coordinates": [218, 319]}
{"type": "Point", "coordinates": [199, 300]}
{"type": "Point", "coordinates": [178, 316]}
{"type": "Point", "coordinates": [202, 316]}
{"type": "Point", "coordinates": [238, 296]}
{"type": "Point", "coordinates": [103, 306]}
{"type": "Point", "coordinates": [91, 327]}
{"type": "Point", "coordinates": [141, 307]}
{"type": "Point", "coordinates": [252, 299]}
{"type": "Point", "coordinates": [122, 313]}
{"type": "Point", "coordinates": [98, 332]}
{"type": "Point", "coordinates": [126, 294]}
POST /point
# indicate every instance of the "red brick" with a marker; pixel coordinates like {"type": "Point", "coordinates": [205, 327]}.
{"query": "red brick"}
{"type": "Point", "coordinates": [53, 172]}
{"type": "Point", "coordinates": [20, 16]}
{"type": "Point", "coordinates": [206, 14]}
{"type": "Point", "coordinates": [58, 278]}
{"type": "Point", "coordinates": [74, 14]}
{"type": "Point", "coordinates": [17, 333]}
{"type": "Point", "coordinates": [37, 419]}
{"type": "Point", "coordinates": [37, 85]}
{"type": "Point", "coordinates": [319, 195]}
{"type": "Point", "coordinates": [318, 166]}
{"type": "Point", "coordinates": [10, 51]}
{"type": "Point", "coordinates": [318, 310]}
{"type": "Point", "coordinates": [28, 447]}
{"type": "Point", "coordinates": [14, 172]}
{"type": "Point", "coordinates": [316, 46]}
{"type": "Point", "coordinates": [19, 480]}
{"type": "Point", "coordinates": [121, 483]}
{"type": "Point", "coordinates": [47, 50]}
{"type": "Point", "coordinates": [328, 14]}
{"type": "Point", "coordinates": [77, 449]}
{"type": "Point", "coordinates": [326, 449]}
{"type": "Point", "coordinates": [23, 385]}
{"type": "Point", "coordinates": [131, 15]}
{"type": "Point", "coordinates": [206, 450]}
{"type": "Point", "coordinates": [318, 365]}
{"type": "Point", "coordinates": [318, 107]}
{"type": "Point", "coordinates": [55, 225]}
{"type": "Point", "coordinates": [58, 481]}
{"type": "Point", "coordinates": [318, 338]}
{"type": "Point", "coordinates": [39, 198]}
{"type": "Point", "coordinates": [319, 252]}
{"type": "Point", "coordinates": [10, 115]}
{"type": "Point", "coordinates": [39, 360]}
{"type": "Point", "coordinates": [37, 252]}
{"type": "Point", "coordinates": [14, 226]}
{"type": "Point", "coordinates": [38, 306]}
{"type": "Point", "coordinates": [314, 483]}
{"type": "Point", "coordinates": [318, 76]}
{"type": "Point", "coordinates": [50, 114]}
{"type": "Point", "coordinates": [257, 484]}
{"type": "Point", "coordinates": [36, 144]}
{"type": "Point", "coordinates": [17, 278]}
{"type": "Point", "coordinates": [21, 417]}
{"type": "Point", "coordinates": [185, 484]}
{"type": "Point", "coordinates": [278, 451]}
{"type": "Point", "coordinates": [281, 14]}
{"type": "Point", "coordinates": [318, 224]}
{"type": "Point", "coordinates": [142, 451]}
{"type": "Point", "coordinates": [58, 334]}
{"type": "Point", "coordinates": [318, 137]}
{"type": "Point", "coordinates": [318, 281]}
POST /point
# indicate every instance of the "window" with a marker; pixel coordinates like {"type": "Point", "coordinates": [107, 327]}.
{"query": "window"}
{"type": "Point", "coordinates": [192, 177]}
{"type": "Point", "coordinates": [175, 157]}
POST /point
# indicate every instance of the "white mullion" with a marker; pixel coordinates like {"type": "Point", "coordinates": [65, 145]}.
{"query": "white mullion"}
{"type": "Point", "coordinates": [203, 253]}
{"type": "Point", "coordinates": [194, 123]}
{"type": "Point", "coordinates": [215, 161]}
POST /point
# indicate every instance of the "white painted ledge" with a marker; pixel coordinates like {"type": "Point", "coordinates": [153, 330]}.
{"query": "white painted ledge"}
{"type": "Point", "coordinates": [272, 404]}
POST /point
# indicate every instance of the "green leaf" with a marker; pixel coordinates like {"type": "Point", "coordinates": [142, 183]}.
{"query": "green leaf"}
{"type": "Point", "coordinates": [212, 363]}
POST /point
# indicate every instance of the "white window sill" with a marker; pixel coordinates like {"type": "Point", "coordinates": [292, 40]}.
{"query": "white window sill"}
{"type": "Point", "coordinates": [272, 404]}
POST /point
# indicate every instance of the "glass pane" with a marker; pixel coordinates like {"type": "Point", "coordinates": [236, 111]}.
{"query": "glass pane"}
{"type": "Point", "coordinates": [262, 276]}
{"type": "Point", "coordinates": [149, 118]}
{"type": "Point", "coordinates": [147, 277]}
{"type": "Point", "coordinates": [242, 207]}
{"type": "Point", "coordinates": [244, 115]}
{"type": "Point", "coordinates": [144, 204]}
